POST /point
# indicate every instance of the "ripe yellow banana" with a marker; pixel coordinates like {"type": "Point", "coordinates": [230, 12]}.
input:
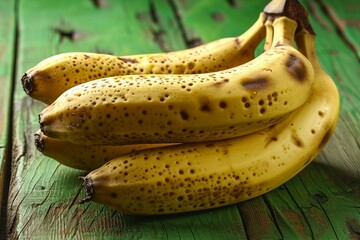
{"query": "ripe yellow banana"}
{"type": "Point", "coordinates": [183, 108]}
{"type": "Point", "coordinates": [197, 176]}
{"type": "Point", "coordinates": [84, 157]}
{"type": "Point", "coordinates": [51, 77]}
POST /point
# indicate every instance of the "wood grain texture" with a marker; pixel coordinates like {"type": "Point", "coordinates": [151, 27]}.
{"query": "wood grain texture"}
{"type": "Point", "coordinates": [7, 59]}
{"type": "Point", "coordinates": [322, 202]}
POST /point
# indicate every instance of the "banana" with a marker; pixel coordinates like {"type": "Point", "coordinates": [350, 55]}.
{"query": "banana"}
{"type": "Point", "coordinates": [196, 176]}
{"type": "Point", "coordinates": [83, 157]}
{"type": "Point", "coordinates": [184, 108]}
{"type": "Point", "coordinates": [51, 77]}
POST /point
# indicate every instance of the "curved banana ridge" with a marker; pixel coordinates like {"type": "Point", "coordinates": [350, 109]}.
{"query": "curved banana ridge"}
{"type": "Point", "coordinates": [53, 76]}
{"type": "Point", "coordinates": [196, 176]}
{"type": "Point", "coordinates": [84, 157]}
{"type": "Point", "coordinates": [184, 108]}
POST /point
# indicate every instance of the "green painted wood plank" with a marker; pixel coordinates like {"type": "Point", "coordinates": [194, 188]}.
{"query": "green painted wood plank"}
{"type": "Point", "coordinates": [205, 21]}
{"type": "Point", "coordinates": [346, 17]}
{"type": "Point", "coordinates": [43, 197]}
{"type": "Point", "coordinates": [7, 46]}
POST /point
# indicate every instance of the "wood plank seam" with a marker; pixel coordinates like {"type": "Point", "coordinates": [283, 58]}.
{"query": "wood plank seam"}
{"type": "Point", "coordinates": [339, 25]}
{"type": "Point", "coordinates": [319, 198]}
{"type": "Point", "coordinates": [244, 222]}
{"type": "Point", "coordinates": [190, 42]}
{"type": "Point", "coordinates": [303, 214]}
{"type": "Point", "coordinates": [158, 34]}
{"type": "Point", "coordinates": [273, 216]}
{"type": "Point", "coordinates": [6, 171]}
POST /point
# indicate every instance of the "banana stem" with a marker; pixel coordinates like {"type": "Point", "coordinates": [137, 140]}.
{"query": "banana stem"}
{"type": "Point", "coordinates": [306, 44]}
{"type": "Point", "coordinates": [291, 9]}
{"type": "Point", "coordinates": [89, 189]}
{"type": "Point", "coordinates": [269, 34]}
{"type": "Point", "coordinates": [284, 31]}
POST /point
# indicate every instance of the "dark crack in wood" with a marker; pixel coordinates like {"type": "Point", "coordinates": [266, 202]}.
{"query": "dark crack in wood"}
{"type": "Point", "coordinates": [340, 26]}
{"type": "Point", "coordinates": [190, 42]}
{"type": "Point", "coordinates": [158, 33]}
{"type": "Point", "coordinates": [315, 12]}
{"type": "Point", "coordinates": [64, 34]}
{"type": "Point", "coordinates": [100, 3]}
{"type": "Point", "coordinates": [244, 221]}
{"type": "Point", "coordinates": [6, 170]}
{"type": "Point", "coordinates": [303, 214]}
{"type": "Point", "coordinates": [234, 3]}
{"type": "Point", "coordinates": [153, 13]}
{"type": "Point", "coordinates": [273, 215]}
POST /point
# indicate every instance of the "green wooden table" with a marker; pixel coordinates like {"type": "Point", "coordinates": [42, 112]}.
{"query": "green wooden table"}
{"type": "Point", "coordinates": [39, 196]}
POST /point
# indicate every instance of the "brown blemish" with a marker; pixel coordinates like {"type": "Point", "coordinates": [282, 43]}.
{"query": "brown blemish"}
{"type": "Point", "coordinates": [220, 84]}
{"type": "Point", "coordinates": [279, 44]}
{"type": "Point", "coordinates": [238, 41]}
{"type": "Point", "coordinates": [321, 113]}
{"type": "Point", "coordinates": [296, 140]}
{"type": "Point", "coordinates": [256, 83]}
{"type": "Point", "coordinates": [128, 60]}
{"type": "Point", "coordinates": [191, 65]}
{"type": "Point", "coordinates": [205, 108]}
{"type": "Point", "coordinates": [184, 115]}
{"type": "Point", "coordinates": [296, 67]}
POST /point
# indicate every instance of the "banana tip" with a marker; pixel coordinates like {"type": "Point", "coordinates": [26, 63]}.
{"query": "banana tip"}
{"type": "Point", "coordinates": [27, 81]}
{"type": "Point", "coordinates": [89, 189]}
{"type": "Point", "coordinates": [39, 141]}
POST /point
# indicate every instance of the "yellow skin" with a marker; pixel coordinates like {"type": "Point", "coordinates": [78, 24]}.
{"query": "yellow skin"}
{"type": "Point", "coordinates": [53, 76]}
{"type": "Point", "coordinates": [183, 108]}
{"type": "Point", "coordinates": [198, 176]}
{"type": "Point", "coordinates": [84, 157]}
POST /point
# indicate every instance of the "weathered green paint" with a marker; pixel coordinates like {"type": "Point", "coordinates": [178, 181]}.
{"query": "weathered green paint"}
{"type": "Point", "coordinates": [7, 46]}
{"type": "Point", "coordinates": [322, 202]}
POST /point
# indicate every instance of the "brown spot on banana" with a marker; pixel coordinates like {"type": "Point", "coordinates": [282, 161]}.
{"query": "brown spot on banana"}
{"type": "Point", "coordinates": [296, 67]}
{"type": "Point", "coordinates": [128, 60]}
{"type": "Point", "coordinates": [259, 83]}
{"type": "Point", "coordinates": [220, 84]}
{"type": "Point", "coordinates": [296, 140]}
{"type": "Point", "coordinates": [238, 41]}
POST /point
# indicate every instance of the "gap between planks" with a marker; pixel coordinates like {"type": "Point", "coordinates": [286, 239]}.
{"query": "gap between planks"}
{"type": "Point", "coordinates": [340, 25]}
{"type": "Point", "coordinates": [6, 171]}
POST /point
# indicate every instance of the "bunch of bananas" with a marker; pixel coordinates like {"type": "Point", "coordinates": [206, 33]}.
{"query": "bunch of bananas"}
{"type": "Point", "coordinates": [194, 129]}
